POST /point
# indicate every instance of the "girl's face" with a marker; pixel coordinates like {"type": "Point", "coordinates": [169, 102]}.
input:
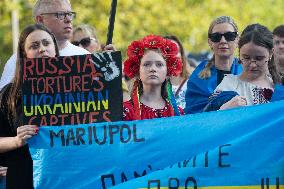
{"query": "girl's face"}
{"type": "Point", "coordinates": [39, 44]}
{"type": "Point", "coordinates": [85, 41]}
{"type": "Point", "coordinates": [153, 68]}
{"type": "Point", "coordinates": [226, 45]}
{"type": "Point", "coordinates": [254, 59]}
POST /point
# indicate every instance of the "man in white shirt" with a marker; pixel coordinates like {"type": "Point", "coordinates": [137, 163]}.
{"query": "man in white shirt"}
{"type": "Point", "coordinates": [278, 44]}
{"type": "Point", "coordinates": [57, 16]}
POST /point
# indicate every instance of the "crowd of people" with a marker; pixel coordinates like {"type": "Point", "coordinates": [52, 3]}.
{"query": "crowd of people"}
{"type": "Point", "coordinates": [163, 82]}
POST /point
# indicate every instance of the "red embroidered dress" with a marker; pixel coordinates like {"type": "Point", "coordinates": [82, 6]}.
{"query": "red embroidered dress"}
{"type": "Point", "coordinates": [147, 112]}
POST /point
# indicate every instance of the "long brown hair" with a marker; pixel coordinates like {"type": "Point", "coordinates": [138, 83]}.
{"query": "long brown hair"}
{"type": "Point", "coordinates": [15, 90]}
{"type": "Point", "coordinates": [261, 36]}
{"type": "Point", "coordinates": [206, 72]}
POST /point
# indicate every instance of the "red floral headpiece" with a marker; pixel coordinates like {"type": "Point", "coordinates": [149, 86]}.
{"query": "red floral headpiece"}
{"type": "Point", "coordinates": [136, 51]}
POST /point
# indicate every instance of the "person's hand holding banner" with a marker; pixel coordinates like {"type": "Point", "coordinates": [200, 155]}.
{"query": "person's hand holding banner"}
{"type": "Point", "coordinates": [24, 133]}
{"type": "Point", "coordinates": [3, 171]}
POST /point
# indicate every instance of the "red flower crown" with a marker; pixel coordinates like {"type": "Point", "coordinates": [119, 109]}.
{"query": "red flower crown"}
{"type": "Point", "coordinates": [136, 51]}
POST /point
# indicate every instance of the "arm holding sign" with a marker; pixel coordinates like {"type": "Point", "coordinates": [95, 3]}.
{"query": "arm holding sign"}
{"type": "Point", "coordinates": [3, 171]}
{"type": "Point", "coordinates": [14, 152]}
{"type": "Point", "coordinates": [24, 133]}
{"type": "Point", "coordinates": [12, 134]}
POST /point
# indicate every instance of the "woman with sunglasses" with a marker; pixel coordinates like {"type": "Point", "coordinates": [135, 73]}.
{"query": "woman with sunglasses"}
{"type": "Point", "coordinates": [258, 82]}
{"type": "Point", "coordinates": [85, 36]}
{"type": "Point", "coordinates": [222, 39]}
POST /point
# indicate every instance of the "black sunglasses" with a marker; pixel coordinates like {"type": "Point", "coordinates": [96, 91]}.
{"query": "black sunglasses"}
{"type": "Point", "coordinates": [85, 42]}
{"type": "Point", "coordinates": [229, 36]}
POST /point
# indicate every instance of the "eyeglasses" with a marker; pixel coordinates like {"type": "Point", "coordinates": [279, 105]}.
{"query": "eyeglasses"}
{"type": "Point", "coordinates": [229, 36]}
{"type": "Point", "coordinates": [85, 42]}
{"type": "Point", "coordinates": [62, 15]}
{"type": "Point", "coordinates": [258, 61]}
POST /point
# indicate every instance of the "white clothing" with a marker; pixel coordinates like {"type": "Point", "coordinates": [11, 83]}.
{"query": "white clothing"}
{"type": "Point", "coordinates": [10, 66]}
{"type": "Point", "coordinates": [180, 98]}
{"type": "Point", "coordinates": [72, 50]}
{"type": "Point", "coordinates": [253, 94]}
{"type": "Point", "coordinates": [8, 71]}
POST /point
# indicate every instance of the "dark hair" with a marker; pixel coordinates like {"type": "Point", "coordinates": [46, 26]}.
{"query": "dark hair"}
{"type": "Point", "coordinates": [260, 36]}
{"type": "Point", "coordinates": [15, 89]}
{"type": "Point", "coordinates": [279, 31]}
{"type": "Point", "coordinates": [185, 72]}
{"type": "Point", "coordinates": [206, 72]}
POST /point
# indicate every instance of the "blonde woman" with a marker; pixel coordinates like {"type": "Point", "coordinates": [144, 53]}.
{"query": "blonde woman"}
{"type": "Point", "coordinates": [85, 36]}
{"type": "Point", "coordinates": [223, 40]}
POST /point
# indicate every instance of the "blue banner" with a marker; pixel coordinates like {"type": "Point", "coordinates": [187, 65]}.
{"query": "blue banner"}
{"type": "Point", "coordinates": [237, 148]}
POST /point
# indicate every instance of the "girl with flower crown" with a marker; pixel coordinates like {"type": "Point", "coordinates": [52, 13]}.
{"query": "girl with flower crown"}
{"type": "Point", "coordinates": [151, 61]}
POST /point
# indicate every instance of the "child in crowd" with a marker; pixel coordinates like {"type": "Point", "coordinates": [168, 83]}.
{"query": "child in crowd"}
{"type": "Point", "coordinates": [259, 80]}
{"type": "Point", "coordinates": [151, 61]}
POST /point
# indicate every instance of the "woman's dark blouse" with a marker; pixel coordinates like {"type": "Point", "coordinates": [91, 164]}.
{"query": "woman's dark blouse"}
{"type": "Point", "coordinates": [18, 161]}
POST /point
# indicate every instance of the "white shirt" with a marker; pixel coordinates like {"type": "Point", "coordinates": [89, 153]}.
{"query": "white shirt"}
{"type": "Point", "coordinates": [72, 50]}
{"type": "Point", "coordinates": [253, 94]}
{"type": "Point", "coordinates": [10, 66]}
{"type": "Point", "coordinates": [9, 71]}
{"type": "Point", "coordinates": [180, 98]}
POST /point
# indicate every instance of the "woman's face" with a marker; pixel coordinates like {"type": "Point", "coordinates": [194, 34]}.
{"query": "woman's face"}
{"type": "Point", "coordinates": [85, 41]}
{"type": "Point", "coordinates": [153, 68]}
{"type": "Point", "coordinates": [226, 46]}
{"type": "Point", "coordinates": [39, 44]}
{"type": "Point", "coordinates": [254, 59]}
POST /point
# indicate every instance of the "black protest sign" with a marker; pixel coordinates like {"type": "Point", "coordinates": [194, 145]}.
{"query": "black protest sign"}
{"type": "Point", "coordinates": [72, 90]}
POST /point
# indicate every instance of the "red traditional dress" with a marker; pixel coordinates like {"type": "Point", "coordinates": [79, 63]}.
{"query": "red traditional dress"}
{"type": "Point", "coordinates": [147, 112]}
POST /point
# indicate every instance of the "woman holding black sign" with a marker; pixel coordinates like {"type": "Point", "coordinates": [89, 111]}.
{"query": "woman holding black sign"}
{"type": "Point", "coordinates": [36, 41]}
{"type": "Point", "coordinates": [151, 61]}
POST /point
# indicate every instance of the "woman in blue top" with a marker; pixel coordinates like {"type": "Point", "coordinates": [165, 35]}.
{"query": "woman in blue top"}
{"type": "Point", "coordinates": [223, 40]}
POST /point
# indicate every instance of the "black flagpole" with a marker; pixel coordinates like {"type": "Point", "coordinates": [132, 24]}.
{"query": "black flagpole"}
{"type": "Point", "coordinates": [111, 22]}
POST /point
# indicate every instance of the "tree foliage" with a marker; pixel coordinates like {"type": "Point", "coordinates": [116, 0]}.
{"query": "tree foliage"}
{"type": "Point", "coordinates": [188, 19]}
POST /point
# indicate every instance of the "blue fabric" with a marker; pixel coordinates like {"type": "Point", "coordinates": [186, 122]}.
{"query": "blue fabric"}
{"type": "Point", "coordinates": [215, 102]}
{"type": "Point", "coordinates": [278, 93]}
{"type": "Point", "coordinates": [236, 147]}
{"type": "Point", "coordinates": [199, 90]}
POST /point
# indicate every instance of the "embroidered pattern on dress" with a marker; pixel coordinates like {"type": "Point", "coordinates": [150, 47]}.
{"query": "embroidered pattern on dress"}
{"type": "Point", "coordinates": [260, 96]}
